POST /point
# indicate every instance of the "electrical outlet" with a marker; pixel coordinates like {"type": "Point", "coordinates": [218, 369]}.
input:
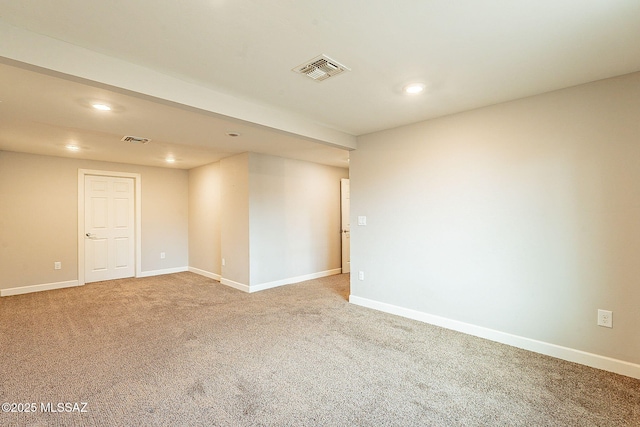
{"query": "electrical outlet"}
{"type": "Point", "coordinates": [361, 275]}
{"type": "Point", "coordinates": [57, 265]}
{"type": "Point", "coordinates": [163, 255]}
{"type": "Point", "coordinates": [605, 318]}
{"type": "Point", "coordinates": [223, 262]}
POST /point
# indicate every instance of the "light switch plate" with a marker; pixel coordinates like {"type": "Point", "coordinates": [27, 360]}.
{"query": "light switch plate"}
{"type": "Point", "coordinates": [362, 220]}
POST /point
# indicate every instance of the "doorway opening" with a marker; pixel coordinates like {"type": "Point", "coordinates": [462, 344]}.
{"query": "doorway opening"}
{"type": "Point", "coordinates": [345, 225]}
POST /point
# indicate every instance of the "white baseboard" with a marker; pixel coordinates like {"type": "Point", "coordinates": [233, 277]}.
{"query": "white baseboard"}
{"type": "Point", "coordinates": [236, 285]}
{"type": "Point", "coordinates": [205, 273]}
{"type": "Point", "coordinates": [269, 285]}
{"type": "Point", "coordinates": [163, 271]}
{"type": "Point", "coordinates": [577, 356]}
{"type": "Point", "coordinates": [37, 288]}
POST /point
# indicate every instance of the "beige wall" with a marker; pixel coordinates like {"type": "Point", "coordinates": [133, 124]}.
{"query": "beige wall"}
{"type": "Point", "coordinates": [39, 213]}
{"type": "Point", "coordinates": [522, 217]}
{"type": "Point", "coordinates": [294, 218]}
{"type": "Point", "coordinates": [271, 218]}
{"type": "Point", "coordinates": [234, 215]}
{"type": "Point", "coordinates": [279, 218]}
{"type": "Point", "coordinates": [204, 218]}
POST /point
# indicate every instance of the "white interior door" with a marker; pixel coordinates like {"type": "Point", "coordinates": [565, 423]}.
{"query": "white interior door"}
{"type": "Point", "coordinates": [109, 249]}
{"type": "Point", "coordinates": [346, 228]}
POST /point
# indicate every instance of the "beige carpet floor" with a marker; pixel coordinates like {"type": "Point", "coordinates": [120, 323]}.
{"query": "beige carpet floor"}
{"type": "Point", "coordinates": [183, 350]}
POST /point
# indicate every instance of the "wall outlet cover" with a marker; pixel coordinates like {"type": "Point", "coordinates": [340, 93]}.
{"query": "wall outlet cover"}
{"type": "Point", "coordinates": [605, 318]}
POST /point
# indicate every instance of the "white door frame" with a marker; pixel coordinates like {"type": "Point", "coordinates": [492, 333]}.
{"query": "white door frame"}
{"type": "Point", "coordinates": [344, 237]}
{"type": "Point", "coordinates": [81, 237]}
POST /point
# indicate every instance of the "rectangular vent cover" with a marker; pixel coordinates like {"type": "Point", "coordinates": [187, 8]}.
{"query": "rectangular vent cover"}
{"type": "Point", "coordinates": [135, 139]}
{"type": "Point", "coordinates": [321, 68]}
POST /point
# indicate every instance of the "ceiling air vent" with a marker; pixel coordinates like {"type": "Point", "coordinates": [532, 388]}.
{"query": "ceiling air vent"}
{"type": "Point", "coordinates": [135, 139]}
{"type": "Point", "coordinates": [321, 68]}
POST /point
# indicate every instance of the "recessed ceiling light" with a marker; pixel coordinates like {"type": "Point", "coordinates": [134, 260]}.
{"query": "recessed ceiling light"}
{"type": "Point", "coordinates": [72, 147]}
{"type": "Point", "coordinates": [170, 160]}
{"type": "Point", "coordinates": [101, 107]}
{"type": "Point", "coordinates": [233, 134]}
{"type": "Point", "coordinates": [414, 88]}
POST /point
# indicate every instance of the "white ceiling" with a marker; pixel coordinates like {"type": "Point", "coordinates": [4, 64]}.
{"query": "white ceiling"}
{"type": "Point", "coordinates": [469, 53]}
{"type": "Point", "coordinates": [41, 114]}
